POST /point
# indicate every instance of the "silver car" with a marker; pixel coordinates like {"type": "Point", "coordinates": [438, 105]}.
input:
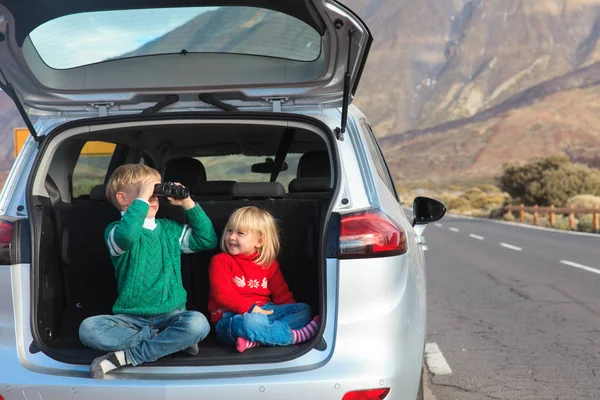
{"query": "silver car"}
{"type": "Point", "coordinates": [244, 102]}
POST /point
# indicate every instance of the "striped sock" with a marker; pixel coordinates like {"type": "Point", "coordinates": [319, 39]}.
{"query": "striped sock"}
{"type": "Point", "coordinates": [243, 344]}
{"type": "Point", "coordinates": [308, 332]}
{"type": "Point", "coordinates": [103, 364]}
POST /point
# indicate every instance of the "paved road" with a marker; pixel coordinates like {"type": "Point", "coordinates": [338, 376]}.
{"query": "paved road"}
{"type": "Point", "coordinates": [514, 311]}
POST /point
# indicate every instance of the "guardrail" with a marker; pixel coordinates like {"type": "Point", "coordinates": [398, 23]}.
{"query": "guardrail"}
{"type": "Point", "coordinates": [552, 211]}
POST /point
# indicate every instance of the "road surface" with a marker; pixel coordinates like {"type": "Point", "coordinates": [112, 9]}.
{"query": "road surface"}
{"type": "Point", "coordinates": [514, 311]}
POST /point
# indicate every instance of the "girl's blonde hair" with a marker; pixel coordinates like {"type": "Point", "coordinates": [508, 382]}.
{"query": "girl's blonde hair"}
{"type": "Point", "coordinates": [261, 222]}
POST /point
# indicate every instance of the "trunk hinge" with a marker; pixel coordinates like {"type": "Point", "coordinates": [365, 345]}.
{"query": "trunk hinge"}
{"type": "Point", "coordinates": [12, 93]}
{"type": "Point", "coordinates": [339, 132]}
{"type": "Point", "coordinates": [277, 102]}
{"type": "Point", "coordinates": [102, 108]}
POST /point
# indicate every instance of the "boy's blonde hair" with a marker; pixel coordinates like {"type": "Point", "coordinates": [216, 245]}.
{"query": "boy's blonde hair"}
{"type": "Point", "coordinates": [125, 177]}
{"type": "Point", "coordinates": [258, 221]}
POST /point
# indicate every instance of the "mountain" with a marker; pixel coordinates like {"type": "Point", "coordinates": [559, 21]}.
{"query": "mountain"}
{"type": "Point", "coordinates": [456, 88]}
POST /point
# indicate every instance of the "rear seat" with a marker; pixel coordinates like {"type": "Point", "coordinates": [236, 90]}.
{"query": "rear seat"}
{"type": "Point", "coordinates": [89, 275]}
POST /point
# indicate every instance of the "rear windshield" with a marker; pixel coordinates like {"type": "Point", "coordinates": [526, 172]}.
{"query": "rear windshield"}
{"type": "Point", "coordinates": [88, 38]}
{"type": "Point", "coordinates": [238, 168]}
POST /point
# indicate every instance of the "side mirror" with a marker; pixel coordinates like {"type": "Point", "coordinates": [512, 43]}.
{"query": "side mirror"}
{"type": "Point", "coordinates": [426, 210]}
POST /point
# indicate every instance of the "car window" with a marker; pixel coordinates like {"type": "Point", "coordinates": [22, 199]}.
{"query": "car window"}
{"type": "Point", "coordinates": [91, 37]}
{"type": "Point", "coordinates": [92, 166]}
{"type": "Point", "coordinates": [238, 167]}
{"type": "Point", "coordinates": [377, 157]}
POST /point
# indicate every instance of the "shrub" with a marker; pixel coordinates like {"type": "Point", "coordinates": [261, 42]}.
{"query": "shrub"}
{"type": "Point", "coordinates": [549, 181]}
{"type": "Point", "coordinates": [496, 213]}
{"type": "Point", "coordinates": [509, 217]}
{"type": "Point", "coordinates": [563, 223]}
{"type": "Point", "coordinates": [459, 204]}
{"type": "Point", "coordinates": [489, 189]}
{"type": "Point", "coordinates": [586, 223]}
{"type": "Point", "coordinates": [583, 201]}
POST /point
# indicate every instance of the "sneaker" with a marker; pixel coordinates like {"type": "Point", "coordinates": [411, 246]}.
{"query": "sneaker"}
{"type": "Point", "coordinates": [192, 350]}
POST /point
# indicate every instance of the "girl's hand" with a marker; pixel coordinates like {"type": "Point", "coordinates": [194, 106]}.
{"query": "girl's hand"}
{"type": "Point", "coordinates": [258, 310]}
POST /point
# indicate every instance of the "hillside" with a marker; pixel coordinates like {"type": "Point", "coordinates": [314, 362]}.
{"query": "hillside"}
{"type": "Point", "coordinates": [564, 123]}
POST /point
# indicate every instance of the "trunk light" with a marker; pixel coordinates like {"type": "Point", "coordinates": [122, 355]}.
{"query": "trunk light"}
{"type": "Point", "coordinates": [370, 234]}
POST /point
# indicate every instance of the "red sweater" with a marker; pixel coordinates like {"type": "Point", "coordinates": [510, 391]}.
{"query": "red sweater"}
{"type": "Point", "coordinates": [237, 284]}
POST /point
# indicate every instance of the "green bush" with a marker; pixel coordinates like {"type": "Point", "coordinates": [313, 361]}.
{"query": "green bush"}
{"type": "Point", "coordinates": [459, 204]}
{"type": "Point", "coordinates": [586, 223]}
{"type": "Point", "coordinates": [549, 181]}
{"type": "Point", "coordinates": [583, 201]}
{"type": "Point", "coordinates": [562, 223]}
{"type": "Point", "coordinates": [489, 189]}
{"type": "Point", "coordinates": [509, 217]}
{"type": "Point", "coordinates": [496, 213]}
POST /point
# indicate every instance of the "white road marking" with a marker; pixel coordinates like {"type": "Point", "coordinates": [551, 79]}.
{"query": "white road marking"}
{"type": "Point", "coordinates": [585, 267]}
{"type": "Point", "coordinates": [438, 225]}
{"type": "Point", "coordinates": [454, 230]}
{"type": "Point", "coordinates": [476, 237]}
{"type": "Point", "coordinates": [436, 363]}
{"type": "Point", "coordinates": [510, 246]}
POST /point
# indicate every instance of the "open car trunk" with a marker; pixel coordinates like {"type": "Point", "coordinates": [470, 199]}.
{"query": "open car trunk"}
{"type": "Point", "coordinates": [72, 272]}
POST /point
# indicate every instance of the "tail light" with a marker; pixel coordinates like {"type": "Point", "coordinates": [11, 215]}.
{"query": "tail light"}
{"type": "Point", "coordinates": [370, 234]}
{"type": "Point", "coordinates": [6, 229]}
{"type": "Point", "coordinates": [371, 394]}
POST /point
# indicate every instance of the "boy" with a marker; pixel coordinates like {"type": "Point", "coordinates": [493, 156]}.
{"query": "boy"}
{"type": "Point", "coordinates": [150, 318]}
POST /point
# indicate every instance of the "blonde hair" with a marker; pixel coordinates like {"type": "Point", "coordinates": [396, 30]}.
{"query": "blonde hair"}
{"type": "Point", "coordinates": [259, 221]}
{"type": "Point", "coordinates": [125, 177]}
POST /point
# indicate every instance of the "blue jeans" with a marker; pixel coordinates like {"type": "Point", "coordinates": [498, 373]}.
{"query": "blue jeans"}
{"type": "Point", "coordinates": [271, 330]}
{"type": "Point", "coordinates": [144, 339]}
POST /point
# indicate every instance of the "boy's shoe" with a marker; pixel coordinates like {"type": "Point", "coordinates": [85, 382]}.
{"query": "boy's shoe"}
{"type": "Point", "coordinates": [103, 364]}
{"type": "Point", "coordinates": [192, 350]}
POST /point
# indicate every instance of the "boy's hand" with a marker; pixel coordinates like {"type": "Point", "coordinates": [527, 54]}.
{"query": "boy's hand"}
{"type": "Point", "coordinates": [186, 203]}
{"type": "Point", "coordinates": [147, 188]}
{"type": "Point", "coordinates": [258, 310]}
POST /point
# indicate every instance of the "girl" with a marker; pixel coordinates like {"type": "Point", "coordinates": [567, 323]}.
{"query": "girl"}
{"type": "Point", "coordinates": [249, 299]}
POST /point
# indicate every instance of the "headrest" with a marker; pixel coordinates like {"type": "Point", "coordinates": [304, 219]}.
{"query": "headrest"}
{"type": "Point", "coordinates": [309, 185]}
{"type": "Point", "coordinates": [186, 170]}
{"type": "Point", "coordinates": [314, 164]}
{"type": "Point", "coordinates": [214, 188]}
{"type": "Point", "coordinates": [98, 193]}
{"type": "Point", "coordinates": [258, 190]}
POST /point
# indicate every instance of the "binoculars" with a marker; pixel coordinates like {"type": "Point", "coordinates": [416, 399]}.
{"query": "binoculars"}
{"type": "Point", "coordinates": [169, 189]}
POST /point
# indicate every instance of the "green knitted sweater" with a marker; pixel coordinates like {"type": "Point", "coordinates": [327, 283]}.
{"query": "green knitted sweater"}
{"type": "Point", "coordinates": [148, 261]}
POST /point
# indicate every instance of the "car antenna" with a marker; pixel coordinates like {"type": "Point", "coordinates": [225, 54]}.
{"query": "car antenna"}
{"type": "Point", "coordinates": [339, 132]}
{"type": "Point", "coordinates": [10, 91]}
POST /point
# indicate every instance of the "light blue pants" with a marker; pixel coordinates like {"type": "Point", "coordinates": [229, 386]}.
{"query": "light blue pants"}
{"type": "Point", "coordinates": [271, 330]}
{"type": "Point", "coordinates": [144, 339]}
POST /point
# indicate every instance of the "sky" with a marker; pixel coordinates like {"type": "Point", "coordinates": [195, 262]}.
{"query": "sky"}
{"type": "Point", "coordinates": [87, 38]}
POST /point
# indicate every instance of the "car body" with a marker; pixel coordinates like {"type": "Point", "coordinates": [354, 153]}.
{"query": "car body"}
{"type": "Point", "coordinates": [372, 299]}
